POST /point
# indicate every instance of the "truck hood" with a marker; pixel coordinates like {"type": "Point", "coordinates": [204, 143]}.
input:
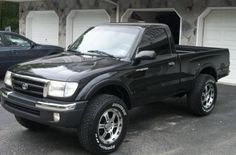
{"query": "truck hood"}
{"type": "Point", "coordinates": [66, 66]}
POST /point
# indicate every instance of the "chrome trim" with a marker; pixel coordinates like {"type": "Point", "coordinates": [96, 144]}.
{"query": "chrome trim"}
{"type": "Point", "coordinates": [6, 94]}
{"type": "Point", "coordinates": [171, 63]}
{"type": "Point", "coordinates": [55, 106]}
{"type": "Point", "coordinates": [45, 81]}
{"type": "Point", "coordinates": [30, 78]}
{"type": "Point", "coordinates": [45, 89]}
{"type": "Point", "coordinates": [142, 69]}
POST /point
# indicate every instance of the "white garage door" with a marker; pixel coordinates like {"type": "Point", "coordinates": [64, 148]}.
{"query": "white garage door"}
{"type": "Point", "coordinates": [42, 27]}
{"type": "Point", "coordinates": [78, 21]}
{"type": "Point", "coordinates": [220, 31]}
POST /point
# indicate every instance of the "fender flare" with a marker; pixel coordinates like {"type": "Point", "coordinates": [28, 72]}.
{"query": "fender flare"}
{"type": "Point", "coordinates": [208, 65]}
{"type": "Point", "coordinates": [97, 84]}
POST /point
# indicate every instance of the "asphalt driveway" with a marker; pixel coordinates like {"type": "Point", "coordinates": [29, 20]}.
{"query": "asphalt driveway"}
{"type": "Point", "coordinates": [163, 128]}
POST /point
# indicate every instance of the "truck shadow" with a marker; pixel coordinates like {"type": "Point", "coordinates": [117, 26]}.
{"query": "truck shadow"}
{"type": "Point", "coordinates": [159, 114]}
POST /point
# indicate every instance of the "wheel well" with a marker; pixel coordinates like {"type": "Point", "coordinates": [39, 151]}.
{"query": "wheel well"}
{"type": "Point", "coordinates": [118, 91]}
{"type": "Point", "coordinates": [210, 71]}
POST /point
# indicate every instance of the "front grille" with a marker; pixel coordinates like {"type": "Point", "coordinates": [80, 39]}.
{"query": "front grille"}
{"type": "Point", "coordinates": [34, 88]}
{"type": "Point", "coordinates": [24, 109]}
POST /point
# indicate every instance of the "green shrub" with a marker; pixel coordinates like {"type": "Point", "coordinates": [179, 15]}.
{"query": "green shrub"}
{"type": "Point", "coordinates": [9, 15]}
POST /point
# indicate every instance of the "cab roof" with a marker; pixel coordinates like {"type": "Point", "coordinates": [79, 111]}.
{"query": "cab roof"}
{"type": "Point", "coordinates": [143, 25]}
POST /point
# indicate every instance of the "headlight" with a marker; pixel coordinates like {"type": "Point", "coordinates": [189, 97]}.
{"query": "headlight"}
{"type": "Point", "coordinates": [61, 89]}
{"type": "Point", "coordinates": [7, 79]}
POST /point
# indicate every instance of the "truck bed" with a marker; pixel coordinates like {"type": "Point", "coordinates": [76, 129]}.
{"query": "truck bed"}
{"type": "Point", "coordinates": [182, 49]}
{"type": "Point", "coordinates": [193, 59]}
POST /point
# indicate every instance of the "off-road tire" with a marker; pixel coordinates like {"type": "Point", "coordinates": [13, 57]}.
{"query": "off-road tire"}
{"type": "Point", "coordinates": [88, 130]}
{"type": "Point", "coordinates": [196, 95]}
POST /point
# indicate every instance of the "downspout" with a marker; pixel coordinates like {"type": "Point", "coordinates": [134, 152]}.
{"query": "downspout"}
{"type": "Point", "coordinates": [117, 9]}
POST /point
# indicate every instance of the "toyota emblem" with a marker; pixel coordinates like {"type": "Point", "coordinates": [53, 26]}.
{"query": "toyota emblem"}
{"type": "Point", "coordinates": [25, 86]}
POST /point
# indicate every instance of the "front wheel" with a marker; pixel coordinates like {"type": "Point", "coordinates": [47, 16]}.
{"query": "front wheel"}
{"type": "Point", "coordinates": [202, 98]}
{"type": "Point", "coordinates": [104, 124]}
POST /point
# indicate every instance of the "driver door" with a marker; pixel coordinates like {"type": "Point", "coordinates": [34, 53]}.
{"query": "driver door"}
{"type": "Point", "coordinates": [155, 79]}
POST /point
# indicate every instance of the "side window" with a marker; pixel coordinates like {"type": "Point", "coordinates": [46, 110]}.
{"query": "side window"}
{"type": "Point", "coordinates": [155, 39]}
{"type": "Point", "coordinates": [16, 41]}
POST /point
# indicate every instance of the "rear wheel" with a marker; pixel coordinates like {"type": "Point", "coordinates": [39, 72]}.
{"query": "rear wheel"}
{"type": "Point", "coordinates": [29, 124]}
{"type": "Point", "coordinates": [202, 98]}
{"type": "Point", "coordinates": [104, 124]}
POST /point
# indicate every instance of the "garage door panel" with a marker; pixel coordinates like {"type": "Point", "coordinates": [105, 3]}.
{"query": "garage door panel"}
{"type": "Point", "coordinates": [43, 27]}
{"type": "Point", "coordinates": [81, 20]}
{"type": "Point", "coordinates": [232, 62]}
{"type": "Point", "coordinates": [212, 34]}
{"type": "Point", "coordinates": [220, 16]}
{"type": "Point", "coordinates": [220, 31]}
{"type": "Point", "coordinates": [217, 34]}
{"type": "Point", "coordinates": [229, 35]}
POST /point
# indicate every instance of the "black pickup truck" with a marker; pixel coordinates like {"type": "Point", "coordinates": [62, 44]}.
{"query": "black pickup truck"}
{"type": "Point", "coordinates": [109, 70]}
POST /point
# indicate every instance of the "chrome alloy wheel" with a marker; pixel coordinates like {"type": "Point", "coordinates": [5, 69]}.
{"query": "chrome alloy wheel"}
{"type": "Point", "coordinates": [208, 96]}
{"type": "Point", "coordinates": [110, 126]}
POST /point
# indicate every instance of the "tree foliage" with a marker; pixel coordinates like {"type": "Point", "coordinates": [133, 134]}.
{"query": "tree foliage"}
{"type": "Point", "coordinates": [9, 15]}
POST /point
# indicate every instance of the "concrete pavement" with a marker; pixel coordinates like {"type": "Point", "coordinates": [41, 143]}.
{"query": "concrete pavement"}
{"type": "Point", "coordinates": [164, 128]}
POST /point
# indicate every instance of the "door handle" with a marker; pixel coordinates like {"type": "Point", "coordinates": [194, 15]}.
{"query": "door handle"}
{"type": "Point", "coordinates": [142, 69]}
{"type": "Point", "coordinates": [171, 63]}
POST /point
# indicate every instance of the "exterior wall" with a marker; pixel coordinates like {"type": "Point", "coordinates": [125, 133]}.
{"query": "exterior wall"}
{"type": "Point", "coordinates": [188, 9]}
{"type": "Point", "coordinates": [62, 8]}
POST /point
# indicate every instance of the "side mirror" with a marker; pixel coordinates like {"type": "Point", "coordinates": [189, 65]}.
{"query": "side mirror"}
{"type": "Point", "coordinates": [32, 44]}
{"type": "Point", "coordinates": [145, 55]}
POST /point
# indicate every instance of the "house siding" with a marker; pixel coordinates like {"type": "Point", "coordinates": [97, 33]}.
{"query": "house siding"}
{"type": "Point", "coordinates": [189, 10]}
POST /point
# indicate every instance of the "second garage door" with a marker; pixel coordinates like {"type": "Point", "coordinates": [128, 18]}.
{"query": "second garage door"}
{"type": "Point", "coordinates": [42, 27]}
{"type": "Point", "coordinates": [220, 31]}
{"type": "Point", "coordinates": [79, 21]}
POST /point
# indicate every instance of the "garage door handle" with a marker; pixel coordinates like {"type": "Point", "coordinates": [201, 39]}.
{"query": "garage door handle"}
{"type": "Point", "coordinates": [171, 64]}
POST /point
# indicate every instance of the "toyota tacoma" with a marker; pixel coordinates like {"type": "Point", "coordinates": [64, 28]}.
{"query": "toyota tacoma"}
{"type": "Point", "coordinates": [107, 71]}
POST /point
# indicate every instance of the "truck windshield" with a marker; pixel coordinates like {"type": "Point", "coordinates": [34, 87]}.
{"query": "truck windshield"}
{"type": "Point", "coordinates": [115, 41]}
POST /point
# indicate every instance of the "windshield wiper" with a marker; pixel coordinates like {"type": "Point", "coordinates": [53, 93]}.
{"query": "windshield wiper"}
{"type": "Point", "coordinates": [102, 53]}
{"type": "Point", "coordinates": [75, 51]}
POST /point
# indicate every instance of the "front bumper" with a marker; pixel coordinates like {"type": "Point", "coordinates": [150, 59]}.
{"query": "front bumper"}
{"type": "Point", "coordinates": [43, 110]}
